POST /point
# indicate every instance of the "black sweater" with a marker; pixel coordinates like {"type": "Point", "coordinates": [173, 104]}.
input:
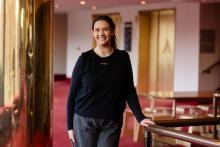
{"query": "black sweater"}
{"type": "Point", "coordinates": [100, 87]}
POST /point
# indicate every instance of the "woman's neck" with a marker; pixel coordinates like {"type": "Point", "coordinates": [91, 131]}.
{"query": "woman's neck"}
{"type": "Point", "coordinates": [103, 51]}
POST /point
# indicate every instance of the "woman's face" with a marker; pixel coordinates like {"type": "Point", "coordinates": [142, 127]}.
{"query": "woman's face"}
{"type": "Point", "coordinates": [102, 33]}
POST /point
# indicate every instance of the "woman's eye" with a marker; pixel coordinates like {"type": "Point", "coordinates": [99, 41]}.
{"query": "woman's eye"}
{"type": "Point", "coordinates": [106, 29]}
{"type": "Point", "coordinates": [96, 30]}
{"type": "Point", "coordinates": [102, 30]}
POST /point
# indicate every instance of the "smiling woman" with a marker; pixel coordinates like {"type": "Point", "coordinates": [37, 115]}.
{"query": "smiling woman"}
{"type": "Point", "coordinates": [102, 83]}
{"type": "Point", "coordinates": [117, 21]}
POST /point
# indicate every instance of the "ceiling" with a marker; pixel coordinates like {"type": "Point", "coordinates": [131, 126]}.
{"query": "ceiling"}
{"type": "Point", "coordinates": [70, 5]}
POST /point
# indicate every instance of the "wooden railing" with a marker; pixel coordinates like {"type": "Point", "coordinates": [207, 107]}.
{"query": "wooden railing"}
{"type": "Point", "coordinates": [208, 70]}
{"type": "Point", "coordinates": [162, 130]}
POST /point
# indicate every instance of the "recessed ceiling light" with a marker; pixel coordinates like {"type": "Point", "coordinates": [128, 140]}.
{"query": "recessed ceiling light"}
{"type": "Point", "coordinates": [93, 7]}
{"type": "Point", "coordinates": [82, 2]}
{"type": "Point", "coordinates": [143, 2]}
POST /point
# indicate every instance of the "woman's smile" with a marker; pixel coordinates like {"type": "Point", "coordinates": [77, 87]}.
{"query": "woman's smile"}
{"type": "Point", "coordinates": [102, 33]}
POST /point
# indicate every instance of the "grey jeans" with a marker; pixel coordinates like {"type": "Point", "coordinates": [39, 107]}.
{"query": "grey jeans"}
{"type": "Point", "coordinates": [91, 132]}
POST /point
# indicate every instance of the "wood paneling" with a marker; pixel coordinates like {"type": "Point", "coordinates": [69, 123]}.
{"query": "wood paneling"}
{"type": "Point", "coordinates": [156, 50]}
{"type": "Point", "coordinates": [143, 53]}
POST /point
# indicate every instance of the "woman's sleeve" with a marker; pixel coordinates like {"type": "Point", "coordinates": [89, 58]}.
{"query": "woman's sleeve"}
{"type": "Point", "coordinates": [74, 86]}
{"type": "Point", "coordinates": [132, 97]}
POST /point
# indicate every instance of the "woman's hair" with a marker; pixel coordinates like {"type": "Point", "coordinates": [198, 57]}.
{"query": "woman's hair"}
{"type": "Point", "coordinates": [112, 26]}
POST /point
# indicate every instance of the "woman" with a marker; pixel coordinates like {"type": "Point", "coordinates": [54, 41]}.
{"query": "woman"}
{"type": "Point", "coordinates": [102, 82]}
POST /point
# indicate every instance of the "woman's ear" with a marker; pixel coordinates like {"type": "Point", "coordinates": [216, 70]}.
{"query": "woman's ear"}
{"type": "Point", "coordinates": [113, 33]}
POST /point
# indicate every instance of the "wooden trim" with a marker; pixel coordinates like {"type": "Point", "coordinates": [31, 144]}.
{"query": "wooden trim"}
{"type": "Point", "coordinates": [60, 77]}
{"type": "Point", "coordinates": [143, 53]}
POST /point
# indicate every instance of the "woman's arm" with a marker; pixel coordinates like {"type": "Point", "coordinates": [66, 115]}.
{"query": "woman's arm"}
{"type": "Point", "coordinates": [132, 98]}
{"type": "Point", "coordinates": [74, 86]}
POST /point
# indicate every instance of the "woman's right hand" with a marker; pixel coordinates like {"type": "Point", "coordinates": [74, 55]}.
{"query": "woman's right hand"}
{"type": "Point", "coordinates": [71, 136]}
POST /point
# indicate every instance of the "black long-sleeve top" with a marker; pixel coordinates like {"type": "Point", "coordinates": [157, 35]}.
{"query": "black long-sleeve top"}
{"type": "Point", "coordinates": [100, 87]}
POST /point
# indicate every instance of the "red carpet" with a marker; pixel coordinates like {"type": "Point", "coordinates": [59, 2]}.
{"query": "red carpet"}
{"type": "Point", "coordinates": [60, 138]}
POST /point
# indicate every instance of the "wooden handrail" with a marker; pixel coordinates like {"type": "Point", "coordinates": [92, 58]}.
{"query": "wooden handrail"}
{"type": "Point", "coordinates": [208, 70]}
{"type": "Point", "coordinates": [200, 140]}
{"type": "Point", "coordinates": [188, 122]}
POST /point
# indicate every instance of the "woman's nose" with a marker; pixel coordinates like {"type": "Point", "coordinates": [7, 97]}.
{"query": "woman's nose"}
{"type": "Point", "coordinates": [101, 32]}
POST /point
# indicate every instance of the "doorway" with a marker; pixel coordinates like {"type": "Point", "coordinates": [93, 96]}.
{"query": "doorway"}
{"type": "Point", "coordinates": [156, 50]}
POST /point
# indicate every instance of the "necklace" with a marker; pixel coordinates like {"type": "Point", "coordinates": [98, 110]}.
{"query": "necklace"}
{"type": "Point", "coordinates": [105, 53]}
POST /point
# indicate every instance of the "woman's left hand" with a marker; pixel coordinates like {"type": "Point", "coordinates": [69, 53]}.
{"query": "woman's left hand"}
{"type": "Point", "coordinates": [145, 122]}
